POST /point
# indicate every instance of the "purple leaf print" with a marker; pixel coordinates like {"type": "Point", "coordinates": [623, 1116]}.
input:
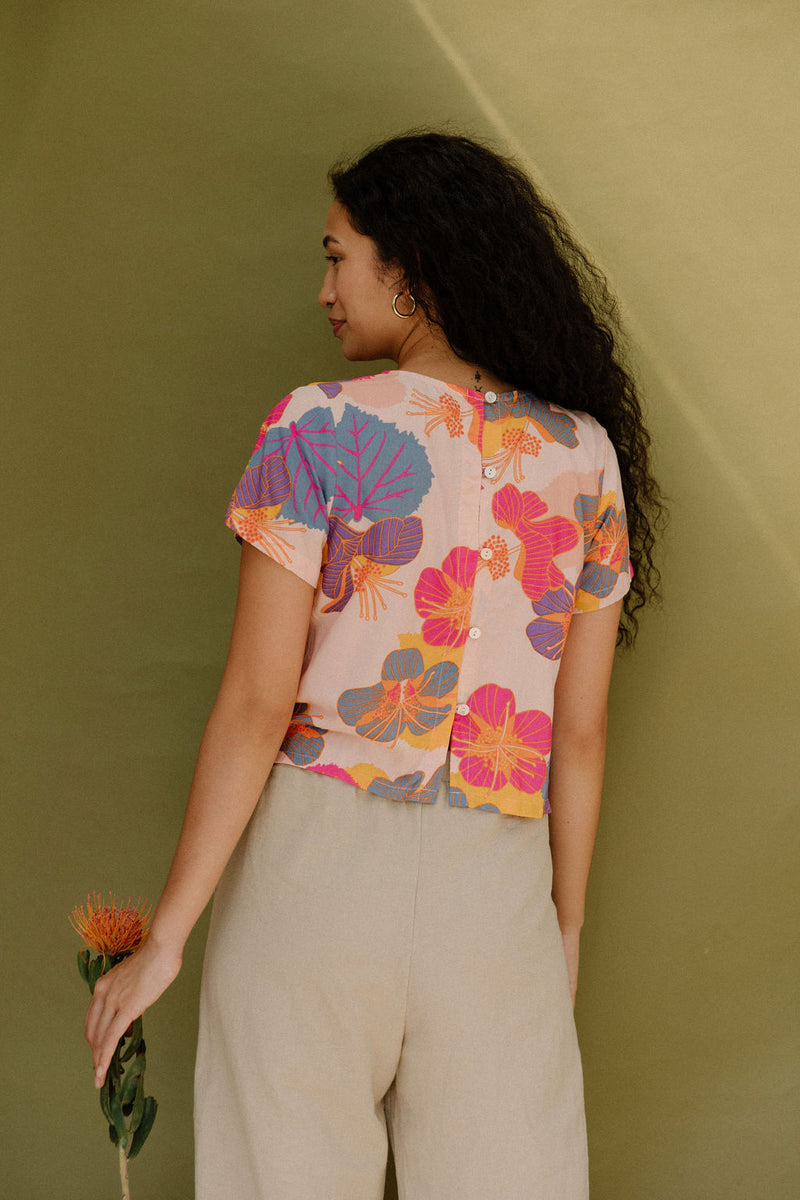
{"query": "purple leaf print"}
{"type": "Point", "coordinates": [263, 485]}
{"type": "Point", "coordinates": [390, 542]}
{"type": "Point", "coordinates": [330, 389]}
{"type": "Point", "coordinates": [337, 580]}
{"type": "Point", "coordinates": [548, 632]}
{"type": "Point", "coordinates": [382, 472]}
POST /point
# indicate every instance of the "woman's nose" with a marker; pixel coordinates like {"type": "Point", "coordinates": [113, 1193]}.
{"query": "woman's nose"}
{"type": "Point", "coordinates": [327, 293]}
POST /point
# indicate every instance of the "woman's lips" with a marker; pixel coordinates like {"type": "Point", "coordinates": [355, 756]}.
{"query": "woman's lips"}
{"type": "Point", "coordinates": [337, 325]}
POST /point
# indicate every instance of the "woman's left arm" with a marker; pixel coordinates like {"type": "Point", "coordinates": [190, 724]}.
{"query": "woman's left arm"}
{"type": "Point", "coordinates": [576, 766]}
{"type": "Point", "coordinates": [241, 740]}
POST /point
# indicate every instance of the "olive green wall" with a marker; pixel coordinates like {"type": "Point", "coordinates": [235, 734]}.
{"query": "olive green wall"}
{"type": "Point", "coordinates": [163, 199]}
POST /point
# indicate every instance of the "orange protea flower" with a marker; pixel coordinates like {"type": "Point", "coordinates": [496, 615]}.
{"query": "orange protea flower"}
{"type": "Point", "coordinates": [111, 929]}
{"type": "Point", "coordinates": [115, 931]}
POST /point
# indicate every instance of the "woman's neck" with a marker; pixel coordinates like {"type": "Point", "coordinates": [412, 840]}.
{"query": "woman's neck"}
{"type": "Point", "coordinates": [433, 357]}
{"type": "Point", "coordinates": [451, 369]}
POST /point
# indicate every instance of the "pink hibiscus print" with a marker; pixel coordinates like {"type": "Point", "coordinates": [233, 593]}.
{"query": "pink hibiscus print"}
{"type": "Point", "coordinates": [444, 598]}
{"type": "Point", "coordinates": [498, 745]}
{"type": "Point", "coordinates": [541, 540]}
{"type": "Point", "coordinates": [271, 420]}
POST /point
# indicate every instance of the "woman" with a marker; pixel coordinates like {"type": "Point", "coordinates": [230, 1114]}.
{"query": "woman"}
{"type": "Point", "coordinates": [435, 564]}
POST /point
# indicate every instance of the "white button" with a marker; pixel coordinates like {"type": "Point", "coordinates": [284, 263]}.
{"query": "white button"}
{"type": "Point", "coordinates": [486, 552]}
{"type": "Point", "coordinates": [474, 632]}
{"type": "Point", "coordinates": [490, 397]}
{"type": "Point", "coordinates": [490, 472]}
{"type": "Point", "coordinates": [462, 709]}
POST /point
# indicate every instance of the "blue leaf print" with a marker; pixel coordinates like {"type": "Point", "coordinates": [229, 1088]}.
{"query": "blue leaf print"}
{"type": "Point", "coordinates": [382, 472]}
{"type": "Point", "coordinates": [556, 426]}
{"type": "Point", "coordinates": [408, 787]}
{"type": "Point", "coordinates": [405, 698]}
{"type": "Point", "coordinates": [308, 447]}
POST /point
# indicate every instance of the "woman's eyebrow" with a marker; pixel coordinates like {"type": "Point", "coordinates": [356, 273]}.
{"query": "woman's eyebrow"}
{"type": "Point", "coordinates": [330, 238]}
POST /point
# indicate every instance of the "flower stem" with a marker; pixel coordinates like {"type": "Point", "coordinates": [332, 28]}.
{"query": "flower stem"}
{"type": "Point", "coordinates": [123, 1174]}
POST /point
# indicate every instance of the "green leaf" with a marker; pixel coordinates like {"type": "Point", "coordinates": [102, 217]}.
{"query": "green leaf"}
{"type": "Point", "coordinates": [129, 1083]}
{"type": "Point", "coordinates": [134, 1041]}
{"type": "Point", "coordinates": [138, 1106]}
{"type": "Point", "coordinates": [95, 971]}
{"type": "Point", "coordinates": [118, 1117]}
{"type": "Point", "coordinates": [83, 964]}
{"type": "Point", "coordinates": [104, 1100]}
{"type": "Point", "coordinates": [146, 1124]}
{"type": "Point", "coordinates": [104, 1103]}
{"type": "Point", "coordinates": [114, 1073]}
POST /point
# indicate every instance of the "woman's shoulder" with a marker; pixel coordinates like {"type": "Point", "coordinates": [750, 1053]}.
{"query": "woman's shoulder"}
{"type": "Point", "coordinates": [572, 429]}
{"type": "Point", "coordinates": [368, 391]}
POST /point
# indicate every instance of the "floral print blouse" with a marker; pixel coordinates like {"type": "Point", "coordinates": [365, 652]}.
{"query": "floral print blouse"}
{"type": "Point", "coordinates": [449, 535]}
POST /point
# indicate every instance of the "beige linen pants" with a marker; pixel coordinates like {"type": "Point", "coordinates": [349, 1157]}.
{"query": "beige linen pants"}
{"type": "Point", "coordinates": [375, 963]}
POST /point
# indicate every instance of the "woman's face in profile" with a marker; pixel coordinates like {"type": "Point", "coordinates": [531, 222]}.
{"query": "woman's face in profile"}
{"type": "Point", "coordinates": [358, 294]}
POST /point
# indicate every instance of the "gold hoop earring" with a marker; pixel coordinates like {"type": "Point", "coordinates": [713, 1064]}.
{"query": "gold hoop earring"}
{"type": "Point", "coordinates": [405, 316]}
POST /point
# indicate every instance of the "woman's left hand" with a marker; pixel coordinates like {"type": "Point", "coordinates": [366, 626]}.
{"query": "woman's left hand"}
{"type": "Point", "coordinates": [122, 995]}
{"type": "Point", "coordinates": [571, 939]}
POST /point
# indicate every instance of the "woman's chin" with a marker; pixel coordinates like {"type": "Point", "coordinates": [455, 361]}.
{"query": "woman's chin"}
{"type": "Point", "coordinates": [355, 350]}
{"type": "Point", "coordinates": [356, 354]}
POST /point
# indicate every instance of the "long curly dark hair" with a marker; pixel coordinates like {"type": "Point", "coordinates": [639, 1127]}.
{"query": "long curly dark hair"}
{"type": "Point", "coordinates": [496, 268]}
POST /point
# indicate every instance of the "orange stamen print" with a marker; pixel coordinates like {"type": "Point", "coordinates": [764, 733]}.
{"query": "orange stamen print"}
{"type": "Point", "coordinates": [368, 579]}
{"type": "Point", "coordinates": [444, 411]}
{"type": "Point", "coordinates": [499, 564]}
{"type": "Point", "coordinates": [515, 443]}
{"type": "Point", "coordinates": [263, 531]}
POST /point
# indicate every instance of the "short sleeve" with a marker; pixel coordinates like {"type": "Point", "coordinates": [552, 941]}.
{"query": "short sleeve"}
{"type": "Point", "coordinates": [607, 572]}
{"type": "Point", "coordinates": [281, 504]}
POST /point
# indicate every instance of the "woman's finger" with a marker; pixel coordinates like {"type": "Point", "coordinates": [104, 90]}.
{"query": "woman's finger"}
{"type": "Point", "coordinates": [122, 995]}
{"type": "Point", "coordinates": [97, 1011]}
{"type": "Point", "coordinates": [106, 1047]}
{"type": "Point", "coordinates": [102, 1034]}
{"type": "Point", "coordinates": [94, 1014]}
